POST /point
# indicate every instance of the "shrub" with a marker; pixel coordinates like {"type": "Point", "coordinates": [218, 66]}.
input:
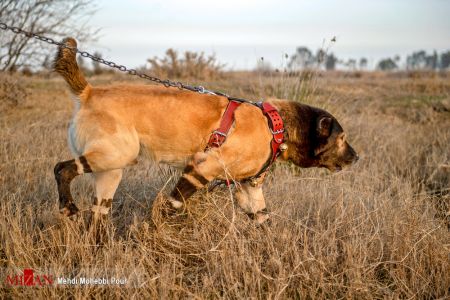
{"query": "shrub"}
{"type": "Point", "coordinates": [12, 91]}
{"type": "Point", "coordinates": [192, 65]}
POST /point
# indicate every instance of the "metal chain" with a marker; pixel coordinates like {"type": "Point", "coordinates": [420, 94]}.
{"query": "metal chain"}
{"type": "Point", "coordinates": [166, 82]}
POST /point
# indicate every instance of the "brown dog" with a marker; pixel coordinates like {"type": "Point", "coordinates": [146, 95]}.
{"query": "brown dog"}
{"type": "Point", "coordinates": [111, 124]}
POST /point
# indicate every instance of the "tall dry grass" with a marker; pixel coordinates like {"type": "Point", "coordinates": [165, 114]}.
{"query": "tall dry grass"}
{"type": "Point", "coordinates": [376, 230]}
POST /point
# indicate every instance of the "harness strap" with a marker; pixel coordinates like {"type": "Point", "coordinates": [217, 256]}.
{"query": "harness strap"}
{"type": "Point", "coordinates": [219, 135]}
{"type": "Point", "coordinates": [274, 121]}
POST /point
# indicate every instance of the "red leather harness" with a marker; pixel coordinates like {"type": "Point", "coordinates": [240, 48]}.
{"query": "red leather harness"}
{"type": "Point", "coordinates": [275, 123]}
{"type": "Point", "coordinates": [219, 135]}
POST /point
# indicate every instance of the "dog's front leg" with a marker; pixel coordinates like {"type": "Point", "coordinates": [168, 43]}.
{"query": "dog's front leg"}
{"type": "Point", "coordinates": [250, 198]}
{"type": "Point", "coordinates": [198, 173]}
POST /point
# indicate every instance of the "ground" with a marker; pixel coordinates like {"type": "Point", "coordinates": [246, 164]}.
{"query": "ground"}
{"type": "Point", "coordinates": [379, 229]}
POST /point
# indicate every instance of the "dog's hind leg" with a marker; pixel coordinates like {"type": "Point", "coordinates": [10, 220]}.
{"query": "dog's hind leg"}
{"type": "Point", "coordinates": [65, 172]}
{"type": "Point", "coordinates": [110, 162]}
{"type": "Point", "coordinates": [106, 184]}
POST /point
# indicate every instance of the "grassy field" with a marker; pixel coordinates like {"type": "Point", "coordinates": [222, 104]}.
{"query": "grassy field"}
{"type": "Point", "coordinates": [379, 229]}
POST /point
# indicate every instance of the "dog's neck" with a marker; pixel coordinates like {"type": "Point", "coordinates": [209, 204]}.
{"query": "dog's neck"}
{"type": "Point", "coordinates": [296, 118]}
{"type": "Point", "coordinates": [298, 121]}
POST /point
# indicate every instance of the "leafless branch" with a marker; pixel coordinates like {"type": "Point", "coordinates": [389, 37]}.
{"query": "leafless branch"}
{"type": "Point", "coordinates": [55, 18]}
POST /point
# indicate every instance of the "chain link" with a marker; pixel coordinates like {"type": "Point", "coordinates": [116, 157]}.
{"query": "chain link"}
{"type": "Point", "coordinates": [166, 82]}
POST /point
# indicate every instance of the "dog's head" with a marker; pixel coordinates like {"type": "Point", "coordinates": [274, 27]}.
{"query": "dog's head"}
{"type": "Point", "coordinates": [316, 139]}
{"type": "Point", "coordinates": [331, 149]}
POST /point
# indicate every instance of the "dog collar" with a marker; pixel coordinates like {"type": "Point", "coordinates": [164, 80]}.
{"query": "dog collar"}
{"type": "Point", "coordinates": [276, 127]}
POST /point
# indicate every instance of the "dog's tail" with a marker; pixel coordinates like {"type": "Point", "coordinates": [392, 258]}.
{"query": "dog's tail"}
{"type": "Point", "coordinates": [65, 64]}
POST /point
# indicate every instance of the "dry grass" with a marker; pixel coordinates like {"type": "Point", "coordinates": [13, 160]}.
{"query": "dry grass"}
{"type": "Point", "coordinates": [376, 230]}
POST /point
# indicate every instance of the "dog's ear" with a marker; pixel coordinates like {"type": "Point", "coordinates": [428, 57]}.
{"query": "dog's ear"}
{"type": "Point", "coordinates": [324, 127]}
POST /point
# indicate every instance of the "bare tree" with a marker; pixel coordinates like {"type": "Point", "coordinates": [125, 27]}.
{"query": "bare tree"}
{"type": "Point", "coordinates": [387, 64]}
{"type": "Point", "coordinates": [445, 60]}
{"type": "Point", "coordinates": [432, 61]}
{"type": "Point", "coordinates": [363, 63]}
{"type": "Point", "coordinates": [330, 62]}
{"type": "Point", "coordinates": [302, 59]}
{"type": "Point", "coordinates": [417, 60]}
{"type": "Point", "coordinates": [351, 64]}
{"type": "Point", "coordinates": [55, 18]}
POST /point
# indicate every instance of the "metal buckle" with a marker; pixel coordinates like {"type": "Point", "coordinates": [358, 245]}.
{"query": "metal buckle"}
{"type": "Point", "coordinates": [202, 90]}
{"type": "Point", "coordinates": [278, 131]}
{"type": "Point", "coordinates": [219, 133]}
{"type": "Point", "coordinates": [259, 104]}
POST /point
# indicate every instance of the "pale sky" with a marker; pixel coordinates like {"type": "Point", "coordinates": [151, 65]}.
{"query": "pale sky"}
{"type": "Point", "coordinates": [240, 32]}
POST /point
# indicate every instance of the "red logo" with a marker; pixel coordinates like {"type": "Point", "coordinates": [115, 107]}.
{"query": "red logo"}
{"type": "Point", "coordinates": [28, 278]}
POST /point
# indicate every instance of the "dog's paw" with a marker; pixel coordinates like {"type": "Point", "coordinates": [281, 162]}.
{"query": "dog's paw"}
{"type": "Point", "coordinates": [261, 217]}
{"type": "Point", "coordinates": [164, 207]}
{"type": "Point", "coordinates": [100, 228]}
{"type": "Point", "coordinates": [176, 205]}
{"type": "Point", "coordinates": [173, 208]}
{"type": "Point", "coordinates": [69, 209]}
